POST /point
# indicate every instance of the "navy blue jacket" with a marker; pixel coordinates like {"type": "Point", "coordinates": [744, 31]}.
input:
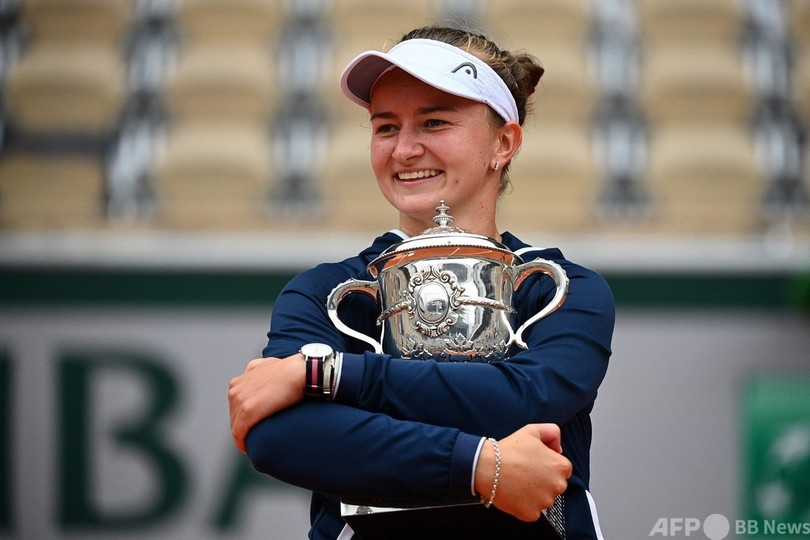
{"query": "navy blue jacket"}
{"type": "Point", "coordinates": [407, 430]}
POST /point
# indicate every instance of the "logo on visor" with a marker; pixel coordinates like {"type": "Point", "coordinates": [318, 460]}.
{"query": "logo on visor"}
{"type": "Point", "coordinates": [469, 69]}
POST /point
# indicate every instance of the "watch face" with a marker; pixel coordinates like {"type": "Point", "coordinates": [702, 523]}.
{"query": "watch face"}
{"type": "Point", "coordinates": [317, 350]}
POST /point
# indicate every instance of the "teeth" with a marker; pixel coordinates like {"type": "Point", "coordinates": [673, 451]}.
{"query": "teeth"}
{"type": "Point", "coordinates": [418, 174]}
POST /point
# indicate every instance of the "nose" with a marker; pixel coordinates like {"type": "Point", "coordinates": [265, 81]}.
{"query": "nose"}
{"type": "Point", "coordinates": [408, 145]}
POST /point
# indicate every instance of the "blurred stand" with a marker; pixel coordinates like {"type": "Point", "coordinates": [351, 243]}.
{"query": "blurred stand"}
{"type": "Point", "coordinates": [301, 124]}
{"type": "Point", "coordinates": [150, 50]}
{"type": "Point", "coordinates": [656, 122]}
{"type": "Point", "coordinates": [620, 131]}
{"type": "Point", "coordinates": [779, 130]}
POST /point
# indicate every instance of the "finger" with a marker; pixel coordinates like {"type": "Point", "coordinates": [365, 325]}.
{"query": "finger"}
{"type": "Point", "coordinates": [233, 399]}
{"type": "Point", "coordinates": [232, 412]}
{"type": "Point", "coordinates": [550, 435]}
{"type": "Point", "coordinates": [569, 469]}
{"type": "Point", "coordinates": [238, 433]}
{"type": "Point", "coordinates": [240, 444]}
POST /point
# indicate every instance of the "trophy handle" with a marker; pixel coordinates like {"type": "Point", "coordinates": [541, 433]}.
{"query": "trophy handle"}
{"type": "Point", "coordinates": [551, 269]}
{"type": "Point", "coordinates": [349, 286]}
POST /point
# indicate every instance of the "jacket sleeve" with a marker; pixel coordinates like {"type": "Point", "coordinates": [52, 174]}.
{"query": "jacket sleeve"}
{"type": "Point", "coordinates": [351, 453]}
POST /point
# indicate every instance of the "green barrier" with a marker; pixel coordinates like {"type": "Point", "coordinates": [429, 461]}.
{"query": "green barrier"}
{"type": "Point", "coordinates": [777, 455]}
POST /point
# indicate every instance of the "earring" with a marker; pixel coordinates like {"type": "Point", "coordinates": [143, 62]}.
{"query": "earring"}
{"type": "Point", "coordinates": [497, 166]}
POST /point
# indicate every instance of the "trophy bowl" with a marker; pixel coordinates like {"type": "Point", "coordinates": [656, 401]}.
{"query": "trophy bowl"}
{"type": "Point", "coordinates": [446, 294]}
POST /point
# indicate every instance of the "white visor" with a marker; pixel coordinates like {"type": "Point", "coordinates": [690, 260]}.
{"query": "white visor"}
{"type": "Point", "coordinates": [436, 63]}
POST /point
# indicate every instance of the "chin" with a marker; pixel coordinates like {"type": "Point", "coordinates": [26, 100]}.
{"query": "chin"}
{"type": "Point", "coordinates": [414, 205]}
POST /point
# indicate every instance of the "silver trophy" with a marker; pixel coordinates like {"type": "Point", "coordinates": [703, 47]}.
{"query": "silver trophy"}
{"type": "Point", "coordinates": [446, 294]}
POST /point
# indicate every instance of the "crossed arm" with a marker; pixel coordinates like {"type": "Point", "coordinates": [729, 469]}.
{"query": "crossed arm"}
{"type": "Point", "coordinates": [532, 469]}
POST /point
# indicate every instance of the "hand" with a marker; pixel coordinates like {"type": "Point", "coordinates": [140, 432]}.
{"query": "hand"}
{"type": "Point", "coordinates": [267, 386]}
{"type": "Point", "coordinates": [533, 471]}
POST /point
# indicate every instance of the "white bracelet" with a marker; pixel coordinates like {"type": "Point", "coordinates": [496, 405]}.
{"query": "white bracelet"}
{"type": "Point", "coordinates": [488, 502]}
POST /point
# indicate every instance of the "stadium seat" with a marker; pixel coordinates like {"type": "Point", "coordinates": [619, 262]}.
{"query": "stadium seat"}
{"type": "Point", "coordinates": [689, 21]}
{"type": "Point", "coordinates": [554, 179]}
{"type": "Point", "coordinates": [514, 22]}
{"type": "Point", "coordinates": [800, 17]}
{"type": "Point", "coordinates": [213, 174]}
{"type": "Point", "coordinates": [372, 23]}
{"type": "Point", "coordinates": [51, 192]}
{"type": "Point", "coordinates": [694, 82]}
{"type": "Point", "coordinates": [692, 67]}
{"type": "Point", "coordinates": [66, 87]}
{"type": "Point", "coordinates": [556, 32]}
{"type": "Point", "coordinates": [242, 21]}
{"type": "Point", "coordinates": [703, 172]}
{"type": "Point", "coordinates": [100, 21]}
{"type": "Point", "coordinates": [704, 178]}
{"type": "Point", "coordinates": [567, 90]}
{"type": "Point", "coordinates": [225, 81]}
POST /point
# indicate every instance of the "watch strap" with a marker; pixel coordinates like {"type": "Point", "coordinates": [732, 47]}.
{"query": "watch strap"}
{"type": "Point", "coordinates": [313, 384]}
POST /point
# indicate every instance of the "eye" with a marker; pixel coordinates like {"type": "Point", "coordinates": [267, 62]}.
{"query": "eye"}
{"type": "Point", "coordinates": [384, 128]}
{"type": "Point", "coordinates": [435, 122]}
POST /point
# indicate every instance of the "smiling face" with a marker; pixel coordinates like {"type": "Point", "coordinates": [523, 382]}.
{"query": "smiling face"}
{"type": "Point", "coordinates": [428, 146]}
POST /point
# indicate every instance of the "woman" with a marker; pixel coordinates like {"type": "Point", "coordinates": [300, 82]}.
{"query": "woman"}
{"type": "Point", "coordinates": [446, 109]}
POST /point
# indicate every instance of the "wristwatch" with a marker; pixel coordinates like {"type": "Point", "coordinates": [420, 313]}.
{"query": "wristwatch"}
{"type": "Point", "coordinates": [320, 370]}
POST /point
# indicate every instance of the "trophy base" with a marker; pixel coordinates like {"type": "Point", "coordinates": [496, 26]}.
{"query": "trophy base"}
{"type": "Point", "coordinates": [454, 522]}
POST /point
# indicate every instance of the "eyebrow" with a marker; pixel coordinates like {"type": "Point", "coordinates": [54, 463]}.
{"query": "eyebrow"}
{"type": "Point", "coordinates": [421, 111]}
